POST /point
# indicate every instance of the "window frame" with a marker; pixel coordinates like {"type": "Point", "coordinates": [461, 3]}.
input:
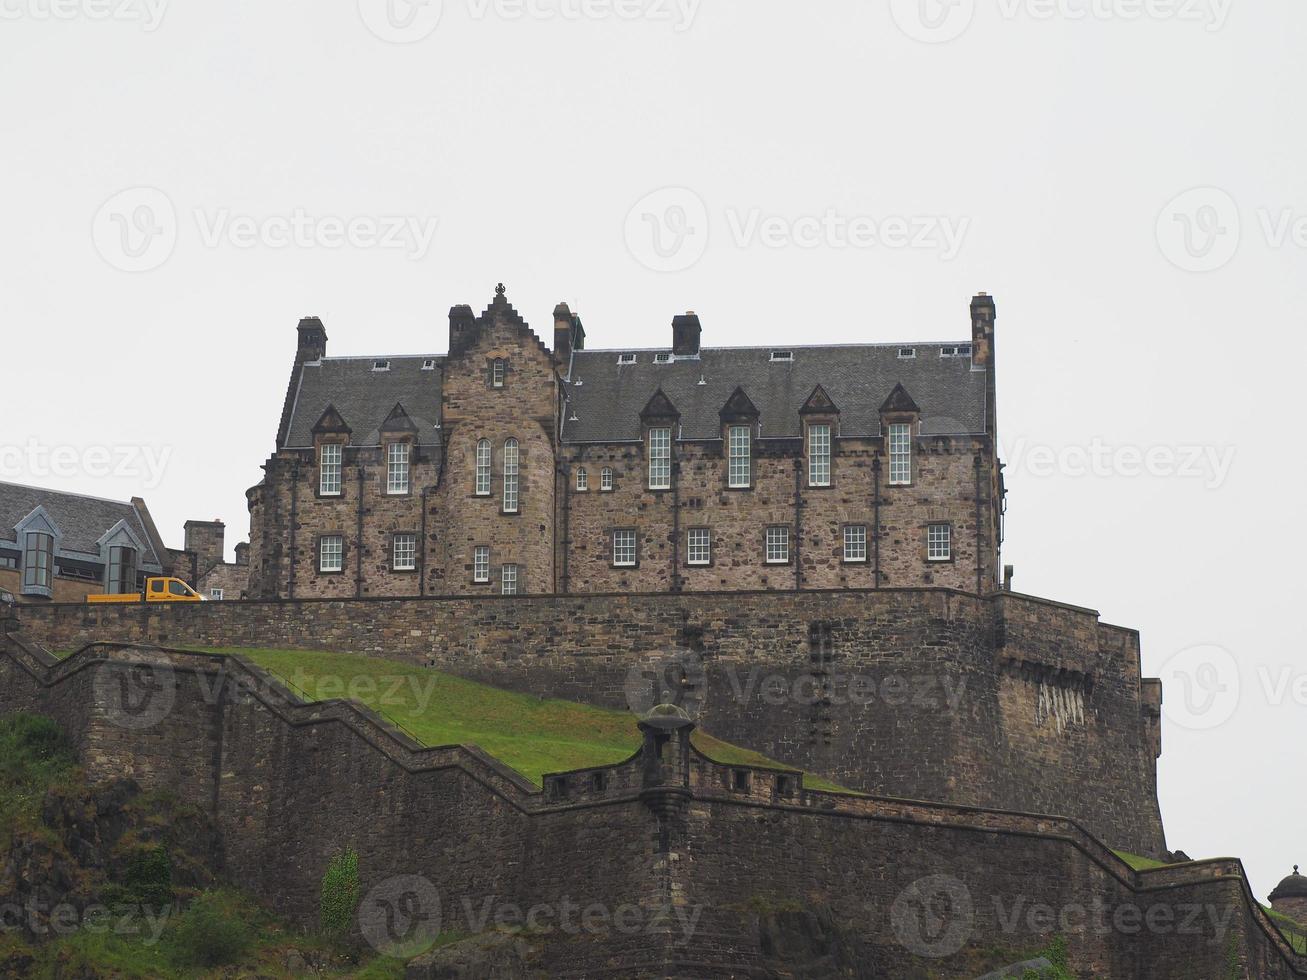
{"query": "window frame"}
{"type": "Point", "coordinates": [336, 467]}
{"type": "Point", "coordinates": [215, 595]}
{"type": "Point", "coordinates": [767, 542]}
{"type": "Point", "coordinates": [660, 457]}
{"type": "Point", "coordinates": [339, 554]}
{"type": "Point", "coordinates": [395, 539]}
{"type": "Point", "coordinates": [898, 445]}
{"type": "Point", "coordinates": [931, 541]}
{"type": "Point", "coordinates": [622, 533]}
{"type": "Point", "coordinates": [38, 575]}
{"type": "Point", "coordinates": [690, 546]}
{"type": "Point", "coordinates": [855, 559]}
{"type": "Point", "coordinates": [403, 465]}
{"type": "Point", "coordinates": [582, 480]}
{"type": "Point", "coordinates": [480, 567]}
{"type": "Point", "coordinates": [512, 501]}
{"type": "Point", "coordinates": [744, 459]}
{"type": "Point", "coordinates": [114, 579]}
{"type": "Point", "coordinates": [510, 574]}
{"type": "Point", "coordinates": [483, 461]}
{"type": "Point", "coordinates": [815, 459]}
{"type": "Point", "coordinates": [498, 372]}
{"type": "Point", "coordinates": [606, 479]}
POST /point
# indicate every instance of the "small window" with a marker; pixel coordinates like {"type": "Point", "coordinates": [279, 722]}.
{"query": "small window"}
{"type": "Point", "coordinates": [481, 564]}
{"type": "Point", "coordinates": [740, 780]}
{"type": "Point", "coordinates": [122, 570]}
{"type": "Point", "coordinates": [598, 782]}
{"type": "Point", "coordinates": [405, 548]}
{"type": "Point", "coordinates": [625, 358]}
{"type": "Point", "coordinates": [215, 595]}
{"type": "Point", "coordinates": [397, 456]}
{"type": "Point", "coordinates": [948, 352]}
{"type": "Point", "coordinates": [624, 548]}
{"type": "Point", "coordinates": [606, 478]}
{"type": "Point", "coordinates": [508, 580]}
{"type": "Point", "coordinates": [819, 455]}
{"type": "Point", "coordinates": [778, 545]}
{"type": "Point", "coordinates": [855, 543]}
{"type": "Point", "coordinates": [782, 355]}
{"type": "Point", "coordinates": [663, 358]}
{"type": "Point", "coordinates": [939, 542]}
{"type": "Point", "coordinates": [331, 553]}
{"type": "Point", "coordinates": [381, 365]}
{"type": "Point", "coordinates": [429, 364]}
{"type": "Point", "coordinates": [698, 546]}
{"type": "Point", "coordinates": [483, 468]}
{"type": "Point", "coordinates": [330, 455]}
{"type": "Point", "coordinates": [38, 562]}
{"type": "Point", "coordinates": [660, 458]}
{"type": "Point", "coordinates": [738, 462]}
{"type": "Point", "coordinates": [582, 479]}
{"type": "Point", "coordinates": [511, 484]}
{"type": "Point", "coordinates": [497, 373]}
{"type": "Point", "coordinates": [964, 350]}
{"type": "Point", "coordinates": [906, 353]}
{"type": "Point", "coordinates": [900, 454]}
{"type": "Point", "coordinates": [784, 785]}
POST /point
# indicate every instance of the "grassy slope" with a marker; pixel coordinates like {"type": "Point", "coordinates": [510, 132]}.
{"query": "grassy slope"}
{"type": "Point", "coordinates": [532, 735]}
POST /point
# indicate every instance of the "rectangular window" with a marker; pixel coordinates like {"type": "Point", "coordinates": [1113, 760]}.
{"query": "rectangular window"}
{"type": "Point", "coordinates": [497, 373]}
{"type": "Point", "coordinates": [582, 480]}
{"type": "Point", "coordinates": [778, 545]}
{"type": "Point", "coordinates": [855, 542]}
{"type": "Point", "coordinates": [606, 478]}
{"type": "Point", "coordinates": [698, 549]}
{"type": "Point", "coordinates": [624, 548]}
{"type": "Point", "coordinates": [939, 542]}
{"type": "Point", "coordinates": [483, 468]}
{"type": "Point", "coordinates": [38, 562]}
{"type": "Point", "coordinates": [819, 455]}
{"type": "Point", "coordinates": [510, 476]}
{"type": "Point", "coordinates": [397, 467]}
{"type": "Point", "coordinates": [508, 580]}
{"type": "Point", "coordinates": [331, 553]}
{"type": "Point", "coordinates": [900, 453]}
{"type": "Point", "coordinates": [481, 563]}
{"type": "Point", "coordinates": [660, 458]}
{"type": "Point", "coordinates": [122, 570]}
{"type": "Point", "coordinates": [329, 465]}
{"type": "Point", "coordinates": [405, 553]}
{"type": "Point", "coordinates": [738, 464]}
{"type": "Point", "coordinates": [215, 594]}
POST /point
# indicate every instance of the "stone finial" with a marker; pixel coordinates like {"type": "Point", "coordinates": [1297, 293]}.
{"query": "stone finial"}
{"type": "Point", "coordinates": [500, 290]}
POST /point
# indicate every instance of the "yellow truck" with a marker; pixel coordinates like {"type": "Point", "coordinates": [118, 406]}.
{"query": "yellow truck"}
{"type": "Point", "coordinates": [158, 589]}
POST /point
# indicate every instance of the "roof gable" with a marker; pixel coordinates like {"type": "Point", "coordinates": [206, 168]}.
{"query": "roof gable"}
{"type": "Point", "coordinates": [398, 421]}
{"type": "Point", "coordinates": [819, 403]}
{"type": "Point", "coordinates": [738, 406]}
{"type": "Point", "coordinates": [659, 406]}
{"type": "Point", "coordinates": [899, 402]}
{"type": "Point", "coordinates": [331, 421]}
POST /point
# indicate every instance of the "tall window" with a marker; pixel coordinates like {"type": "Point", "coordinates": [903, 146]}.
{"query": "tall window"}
{"type": "Point", "coordinates": [939, 542]}
{"type": "Point", "coordinates": [510, 476]}
{"type": "Point", "coordinates": [405, 548]}
{"type": "Point", "coordinates": [330, 455]}
{"type": "Point", "coordinates": [855, 542]}
{"type": "Point", "coordinates": [819, 455]}
{"type": "Point", "coordinates": [698, 550]}
{"type": "Point", "coordinates": [582, 479]}
{"type": "Point", "coordinates": [38, 561]}
{"type": "Point", "coordinates": [660, 458]}
{"type": "Point", "coordinates": [606, 478]}
{"type": "Point", "coordinates": [122, 570]}
{"type": "Point", "coordinates": [624, 548]}
{"type": "Point", "coordinates": [778, 545]}
{"type": "Point", "coordinates": [738, 463]}
{"type": "Point", "coordinates": [900, 453]}
{"type": "Point", "coordinates": [508, 580]}
{"type": "Point", "coordinates": [483, 468]}
{"type": "Point", "coordinates": [497, 373]}
{"type": "Point", "coordinates": [397, 467]}
{"type": "Point", "coordinates": [331, 553]}
{"type": "Point", "coordinates": [481, 563]}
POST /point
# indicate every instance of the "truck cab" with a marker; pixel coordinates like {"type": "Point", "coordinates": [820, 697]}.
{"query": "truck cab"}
{"type": "Point", "coordinates": [160, 588]}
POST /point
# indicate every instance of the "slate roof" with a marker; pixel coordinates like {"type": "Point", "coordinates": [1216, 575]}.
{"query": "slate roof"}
{"type": "Point", "coordinates": [365, 398]}
{"type": "Point", "coordinates": [81, 520]}
{"type": "Point", "coordinates": [606, 397]}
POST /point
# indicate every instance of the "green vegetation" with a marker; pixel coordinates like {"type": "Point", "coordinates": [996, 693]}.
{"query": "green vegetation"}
{"type": "Point", "coordinates": [340, 894]}
{"type": "Point", "coordinates": [1290, 929]}
{"type": "Point", "coordinates": [34, 756]}
{"type": "Point", "coordinates": [1140, 863]}
{"type": "Point", "coordinates": [532, 735]}
{"type": "Point", "coordinates": [1056, 954]}
{"type": "Point", "coordinates": [213, 931]}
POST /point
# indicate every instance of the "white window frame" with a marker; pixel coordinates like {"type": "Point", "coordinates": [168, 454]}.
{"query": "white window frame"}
{"type": "Point", "coordinates": [331, 466]}
{"type": "Point", "coordinates": [508, 576]}
{"type": "Point", "coordinates": [512, 476]}
{"type": "Point", "coordinates": [397, 468]}
{"type": "Point", "coordinates": [698, 546]}
{"type": "Point", "coordinates": [582, 480]}
{"type": "Point", "coordinates": [606, 478]}
{"type": "Point", "coordinates": [660, 458]}
{"type": "Point", "coordinates": [335, 553]}
{"type": "Point", "coordinates": [900, 454]}
{"type": "Point", "coordinates": [215, 595]}
{"type": "Point", "coordinates": [624, 547]}
{"type": "Point", "coordinates": [404, 559]}
{"type": "Point", "coordinates": [939, 542]}
{"type": "Point", "coordinates": [497, 373]}
{"type": "Point", "coordinates": [481, 564]}
{"type": "Point", "coordinates": [819, 454]}
{"type": "Point", "coordinates": [776, 545]}
{"type": "Point", "coordinates": [484, 458]}
{"type": "Point", "coordinates": [739, 457]}
{"type": "Point", "coordinates": [855, 544]}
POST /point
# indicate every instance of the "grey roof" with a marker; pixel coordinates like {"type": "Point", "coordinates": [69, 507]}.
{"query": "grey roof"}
{"type": "Point", "coordinates": [606, 397]}
{"type": "Point", "coordinates": [365, 397]}
{"type": "Point", "coordinates": [81, 520]}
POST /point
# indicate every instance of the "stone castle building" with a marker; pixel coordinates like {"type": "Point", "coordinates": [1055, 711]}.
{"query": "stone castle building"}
{"type": "Point", "coordinates": [505, 467]}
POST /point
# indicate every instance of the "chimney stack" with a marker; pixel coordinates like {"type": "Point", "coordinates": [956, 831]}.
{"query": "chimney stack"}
{"type": "Point", "coordinates": [312, 340]}
{"type": "Point", "coordinates": [462, 326]}
{"type": "Point", "coordinates": [686, 334]}
{"type": "Point", "coordinates": [569, 335]}
{"type": "Point", "coordinates": [982, 330]}
{"type": "Point", "coordinates": [243, 553]}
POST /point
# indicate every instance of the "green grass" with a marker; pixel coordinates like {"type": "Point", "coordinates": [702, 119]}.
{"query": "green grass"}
{"type": "Point", "coordinates": [1140, 863]}
{"type": "Point", "coordinates": [535, 736]}
{"type": "Point", "coordinates": [34, 757]}
{"type": "Point", "coordinates": [1295, 933]}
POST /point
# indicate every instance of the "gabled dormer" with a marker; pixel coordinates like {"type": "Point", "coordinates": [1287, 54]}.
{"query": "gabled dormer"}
{"type": "Point", "coordinates": [398, 437]}
{"type": "Point", "coordinates": [900, 421]}
{"type": "Point", "coordinates": [820, 420]}
{"type": "Point", "coordinates": [123, 553]}
{"type": "Point", "coordinates": [331, 434]}
{"type": "Point", "coordinates": [39, 538]}
{"type": "Point", "coordinates": [739, 421]}
{"type": "Point", "coordinates": [659, 419]}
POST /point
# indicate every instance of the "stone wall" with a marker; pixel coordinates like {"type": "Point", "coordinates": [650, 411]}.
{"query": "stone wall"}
{"type": "Point", "coordinates": [1007, 702]}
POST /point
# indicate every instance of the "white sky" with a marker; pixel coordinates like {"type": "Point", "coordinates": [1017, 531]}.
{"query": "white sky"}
{"type": "Point", "coordinates": [1055, 144]}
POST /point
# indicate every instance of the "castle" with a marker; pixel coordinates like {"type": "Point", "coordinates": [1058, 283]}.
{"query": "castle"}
{"type": "Point", "coordinates": [506, 468]}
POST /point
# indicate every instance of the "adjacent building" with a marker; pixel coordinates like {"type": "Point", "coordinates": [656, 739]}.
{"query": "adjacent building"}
{"type": "Point", "coordinates": [509, 467]}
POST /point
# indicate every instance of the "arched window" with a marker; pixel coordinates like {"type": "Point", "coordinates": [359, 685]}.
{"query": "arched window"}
{"type": "Point", "coordinates": [606, 478]}
{"type": "Point", "coordinates": [582, 479]}
{"type": "Point", "coordinates": [510, 476]}
{"type": "Point", "coordinates": [483, 468]}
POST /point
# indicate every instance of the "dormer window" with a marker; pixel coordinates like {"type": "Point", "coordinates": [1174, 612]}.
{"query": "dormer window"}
{"type": "Point", "coordinates": [783, 355]}
{"type": "Point", "coordinates": [660, 458]}
{"type": "Point", "coordinates": [907, 353]}
{"type": "Point", "coordinates": [497, 373]}
{"type": "Point", "coordinates": [38, 563]}
{"type": "Point", "coordinates": [330, 457]}
{"type": "Point", "coordinates": [429, 364]}
{"type": "Point", "coordinates": [381, 365]}
{"type": "Point", "coordinates": [625, 358]}
{"type": "Point", "coordinates": [900, 454]}
{"type": "Point", "coordinates": [739, 457]}
{"type": "Point", "coordinates": [122, 570]}
{"type": "Point", "coordinates": [819, 443]}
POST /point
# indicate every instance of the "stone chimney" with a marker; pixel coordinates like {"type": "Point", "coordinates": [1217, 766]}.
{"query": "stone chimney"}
{"type": "Point", "coordinates": [312, 340]}
{"type": "Point", "coordinates": [243, 553]}
{"type": "Point", "coordinates": [686, 333]}
{"type": "Point", "coordinates": [462, 328]}
{"type": "Point", "coordinates": [982, 330]}
{"type": "Point", "coordinates": [205, 540]}
{"type": "Point", "coordinates": [569, 335]}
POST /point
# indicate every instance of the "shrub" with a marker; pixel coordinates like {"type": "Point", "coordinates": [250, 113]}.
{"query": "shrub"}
{"type": "Point", "coordinates": [148, 878]}
{"type": "Point", "coordinates": [340, 893]}
{"type": "Point", "coordinates": [212, 932]}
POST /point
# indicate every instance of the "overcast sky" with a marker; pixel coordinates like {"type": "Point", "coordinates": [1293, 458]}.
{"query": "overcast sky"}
{"type": "Point", "coordinates": [1127, 177]}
